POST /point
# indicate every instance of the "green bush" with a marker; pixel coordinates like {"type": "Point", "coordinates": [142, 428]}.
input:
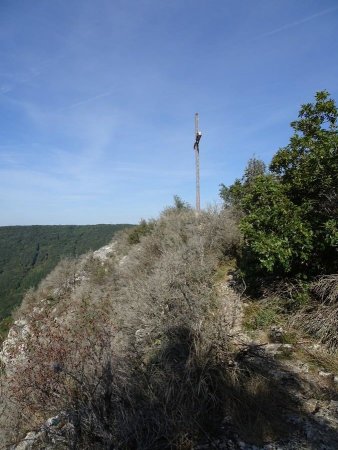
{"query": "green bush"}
{"type": "Point", "coordinates": [142, 229]}
{"type": "Point", "coordinates": [290, 215]}
{"type": "Point", "coordinates": [276, 235]}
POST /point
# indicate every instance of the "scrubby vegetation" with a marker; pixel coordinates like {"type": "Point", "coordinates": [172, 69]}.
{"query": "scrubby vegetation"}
{"type": "Point", "coordinates": [139, 359]}
{"type": "Point", "coordinates": [137, 350]}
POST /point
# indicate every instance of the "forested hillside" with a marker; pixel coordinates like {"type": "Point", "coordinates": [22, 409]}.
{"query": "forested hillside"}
{"type": "Point", "coordinates": [29, 253]}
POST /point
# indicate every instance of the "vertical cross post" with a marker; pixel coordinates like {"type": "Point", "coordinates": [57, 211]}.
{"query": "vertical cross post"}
{"type": "Point", "coordinates": [198, 136]}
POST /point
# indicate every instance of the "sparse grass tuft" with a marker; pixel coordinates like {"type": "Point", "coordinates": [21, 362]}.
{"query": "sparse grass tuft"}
{"type": "Point", "coordinates": [223, 270]}
{"type": "Point", "coordinates": [319, 359]}
{"type": "Point", "coordinates": [258, 408]}
{"type": "Point", "coordinates": [260, 315]}
{"type": "Point", "coordinates": [319, 317]}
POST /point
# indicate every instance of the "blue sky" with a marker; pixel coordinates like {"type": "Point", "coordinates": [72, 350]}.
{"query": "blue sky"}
{"type": "Point", "coordinates": [97, 99]}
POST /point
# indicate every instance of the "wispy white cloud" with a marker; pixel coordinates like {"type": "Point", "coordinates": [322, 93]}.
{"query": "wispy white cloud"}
{"type": "Point", "coordinates": [85, 101]}
{"type": "Point", "coordinates": [5, 88]}
{"type": "Point", "coordinates": [298, 22]}
{"type": "Point", "coordinates": [98, 115]}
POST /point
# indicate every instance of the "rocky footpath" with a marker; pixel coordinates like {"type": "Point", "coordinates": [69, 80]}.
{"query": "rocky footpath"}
{"type": "Point", "coordinates": [314, 423]}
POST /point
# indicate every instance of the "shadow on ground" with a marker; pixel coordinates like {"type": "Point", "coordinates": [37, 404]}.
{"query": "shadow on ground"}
{"type": "Point", "coordinates": [192, 395]}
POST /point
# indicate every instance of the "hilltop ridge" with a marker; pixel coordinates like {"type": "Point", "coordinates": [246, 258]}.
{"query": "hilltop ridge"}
{"type": "Point", "coordinates": [151, 343]}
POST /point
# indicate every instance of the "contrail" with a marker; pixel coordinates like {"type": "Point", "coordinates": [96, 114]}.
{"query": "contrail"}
{"type": "Point", "coordinates": [299, 22]}
{"type": "Point", "coordinates": [86, 100]}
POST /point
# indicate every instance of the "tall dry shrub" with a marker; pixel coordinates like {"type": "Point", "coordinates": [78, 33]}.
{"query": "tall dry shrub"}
{"type": "Point", "coordinates": [57, 349]}
{"type": "Point", "coordinates": [320, 318]}
{"type": "Point", "coordinates": [139, 357]}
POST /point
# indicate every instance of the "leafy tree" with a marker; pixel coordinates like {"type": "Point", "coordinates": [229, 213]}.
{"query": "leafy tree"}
{"type": "Point", "coordinates": [142, 229]}
{"type": "Point", "coordinates": [233, 194]}
{"type": "Point", "coordinates": [276, 236]}
{"type": "Point", "coordinates": [308, 169]}
{"type": "Point", "coordinates": [179, 203]}
{"type": "Point", "coordinates": [290, 215]}
{"type": "Point", "coordinates": [254, 168]}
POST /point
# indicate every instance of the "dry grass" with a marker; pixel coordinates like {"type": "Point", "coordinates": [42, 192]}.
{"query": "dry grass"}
{"type": "Point", "coordinates": [326, 288]}
{"type": "Point", "coordinates": [136, 352]}
{"type": "Point", "coordinates": [318, 359]}
{"type": "Point", "coordinates": [260, 315]}
{"type": "Point", "coordinates": [128, 348]}
{"type": "Point", "coordinates": [320, 317]}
